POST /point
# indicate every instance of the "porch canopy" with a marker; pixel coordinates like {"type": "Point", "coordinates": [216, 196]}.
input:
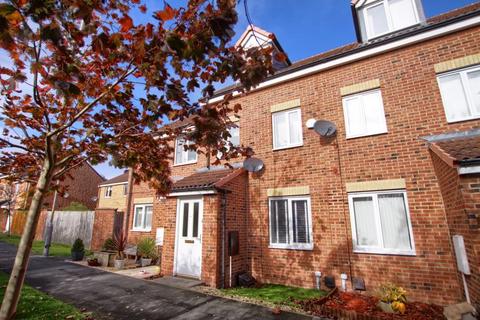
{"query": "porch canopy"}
{"type": "Point", "coordinates": [208, 181]}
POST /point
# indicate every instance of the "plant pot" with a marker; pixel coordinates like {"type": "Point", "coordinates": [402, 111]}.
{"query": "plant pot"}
{"type": "Point", "coordinates": [385, 307]}
{"type": "Point", "coordinates": [119, 264]}
{"type": "Point", "coordinates": [77, 256]}
{"type": "Point", "coordinates": [146, 262]}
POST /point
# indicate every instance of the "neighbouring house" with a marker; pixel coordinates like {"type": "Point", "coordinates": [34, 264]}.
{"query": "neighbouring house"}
{"type": "Point", "coordinates": [379, 201]}
{"type": "Point", "coordinates": [112, 194]}
{"type": "Point", "coordinates": [79, 190]}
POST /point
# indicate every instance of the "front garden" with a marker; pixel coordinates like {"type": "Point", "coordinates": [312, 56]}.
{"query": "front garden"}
{"type": "Point", "coordinates": [390, 302]}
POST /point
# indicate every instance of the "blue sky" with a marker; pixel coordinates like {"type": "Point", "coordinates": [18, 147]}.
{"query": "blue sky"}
{"type": "Point", "coordinates": [303, 27]}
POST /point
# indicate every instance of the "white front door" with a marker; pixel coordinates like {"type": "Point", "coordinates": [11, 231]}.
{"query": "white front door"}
{"type": "Point", "coordinates": [189, 237]}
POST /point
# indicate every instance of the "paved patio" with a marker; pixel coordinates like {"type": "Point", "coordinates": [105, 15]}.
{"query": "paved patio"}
{"type": "Point", "coordinates": [113, 296]}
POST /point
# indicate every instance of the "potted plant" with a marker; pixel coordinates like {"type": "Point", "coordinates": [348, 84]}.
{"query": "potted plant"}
{"type": "Point", "coordinates": [147, 250]}
{"type": "Point", "coordinates": [120, 243]}
{"type": "Point", "coordinates": [78, 250]}
{"type": "Point", "coordinates": [392, 298]}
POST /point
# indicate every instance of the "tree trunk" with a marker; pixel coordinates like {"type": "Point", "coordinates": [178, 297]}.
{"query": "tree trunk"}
{"type": "Point", "coordinates": [12, 293]}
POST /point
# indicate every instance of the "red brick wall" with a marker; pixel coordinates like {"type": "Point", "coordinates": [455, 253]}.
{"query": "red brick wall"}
{"type": "Point", "coordinates": [413, 109]}
{"type": "Point", "coordinates": [461, 195]}
{"type": "Point", "coordinates": [82, 186]}
{"type": "Point", "coordinates": [236, 220]}
{"type": "Point", "coordinates": [102, 227]}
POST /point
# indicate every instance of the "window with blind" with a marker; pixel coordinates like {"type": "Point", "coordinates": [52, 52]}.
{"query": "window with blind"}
{"type": "Point", "coordinates": [142, 218]}
{"type": "Point", "coordinates": [364, 115]}
{"type": "Point", "coordinates": [287, 129]}
{"type": "Point", "coordinates": [290, 223]}
{"type": "Point", "coordinates": [461, 94]}
{"type": "Point", "coordinates": [381, 223]}
{"type": "Point", "coordinates": [183, 156]}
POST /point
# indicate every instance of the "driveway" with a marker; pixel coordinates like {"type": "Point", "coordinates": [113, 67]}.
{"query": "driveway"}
{"type": "Point", "coordinates": [112, 296]}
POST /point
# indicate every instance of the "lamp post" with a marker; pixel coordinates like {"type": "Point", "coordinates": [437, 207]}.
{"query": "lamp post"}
{"type": "Point", "coordinates": [49, 225]}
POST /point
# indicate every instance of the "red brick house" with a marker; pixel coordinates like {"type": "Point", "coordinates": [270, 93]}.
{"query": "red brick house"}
{"type": "Point", "coordinates": [380, 200]}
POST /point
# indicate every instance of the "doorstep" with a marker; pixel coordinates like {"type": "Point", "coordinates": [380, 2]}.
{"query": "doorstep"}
{"type": "Point", "coordinates": [178, 282]}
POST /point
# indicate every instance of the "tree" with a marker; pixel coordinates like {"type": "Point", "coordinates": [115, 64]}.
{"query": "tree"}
{"type": "Point", "coordinates": [87, 82]}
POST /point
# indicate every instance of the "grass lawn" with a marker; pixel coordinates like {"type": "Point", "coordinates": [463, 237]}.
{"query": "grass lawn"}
{"type": "Point", "coordinates": [57, 250]}
{"type": "Point", "coordinates": [276, 294]}
{"type": "Point", "coordinates": [35, 305]}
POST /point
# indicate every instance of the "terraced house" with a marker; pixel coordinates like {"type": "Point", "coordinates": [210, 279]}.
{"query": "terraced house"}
{"type": "Point", "coordinates": [380, 200]}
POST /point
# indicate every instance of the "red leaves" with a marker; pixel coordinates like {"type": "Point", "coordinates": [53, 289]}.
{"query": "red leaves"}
{"type": "Point", "coordinates": [143, 8]}
{"type": "Point", "coordinates": [126, 22]}
{"type": "Point", "coordinates": [167, 14]}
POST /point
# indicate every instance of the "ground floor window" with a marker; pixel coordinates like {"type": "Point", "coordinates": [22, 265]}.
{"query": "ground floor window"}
{"type": "Point", "coordinates": [142, 219]}
{"type": "Point", "coordinates": [381, 222]}
{"type": "Point", "coordinates": [290, 223]}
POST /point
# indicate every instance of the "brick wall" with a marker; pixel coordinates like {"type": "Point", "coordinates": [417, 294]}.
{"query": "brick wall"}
{"type": "Point", "coordinates": [82, 186]}
{"type": "Point", "coordinates": [413, 108]}
{"type": "Point", "coordinates": [236, 220]}
{"type": "Point", "coordinates": [102, 227]}
{"type": "Point", "coordinates": [461, 195]}
{"type": "Point", "coordinates": [325, 166]}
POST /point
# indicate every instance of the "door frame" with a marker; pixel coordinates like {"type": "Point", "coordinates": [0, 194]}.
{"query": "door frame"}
{"type": "Point", "coordinates": [178, 228]}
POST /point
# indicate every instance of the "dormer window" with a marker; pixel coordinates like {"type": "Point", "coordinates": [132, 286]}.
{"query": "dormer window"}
{"type": "Point", "coordinates": [381, 17]}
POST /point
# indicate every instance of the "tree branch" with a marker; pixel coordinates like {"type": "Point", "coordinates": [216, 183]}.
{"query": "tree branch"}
{"type": "Point", "coordinates": [91, 104]}
{"type": "Point", "coordinates": [67, 168]}
{"type": "Point", "coordinates": [13, 145]}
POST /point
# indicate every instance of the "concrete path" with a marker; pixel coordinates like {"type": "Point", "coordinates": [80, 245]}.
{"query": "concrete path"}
{"type": "Point", "coordinates": [112, 296]}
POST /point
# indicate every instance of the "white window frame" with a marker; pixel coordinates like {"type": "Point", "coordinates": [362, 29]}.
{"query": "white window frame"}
{"type": "Point", "coordinates": [175, 162]}
{"type": "Point", "coordinates": [466, 88]}
{"type": "Point", "coordinates": [293, 145]}
{"type": "Point", "coordinates": [380, 249]}
{"type": "Point", "coordinates": [125, 189]}
{"type": "Point", "coordinates": [143, 228]}
{"type": "Point", "coordinates": [290, 245]}
{"type": "Point", "coordinates": [388, 15]}
{"type": "Point", "coordinates": [345, 114]}
{"type": "Point", "coordinates": [108, 192]}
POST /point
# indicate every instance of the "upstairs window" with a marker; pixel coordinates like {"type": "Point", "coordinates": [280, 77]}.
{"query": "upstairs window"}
{"type": "Point", "coordinates": [287, 129]}
{"type": "Point", "coordinates": [108, 192]}
{"type": "Point", "coordinates": [125, 190]}
{"type": "Point", "coordinates": [183, 156]}
{"type": "Point", "coordinates": [382, 17]}
{"type": "Point", "coordinates": [234, 131]}
{"type": "Point", "coordinates": [364, 115]}
{"type": "Point", "coordinates": [461, 94]}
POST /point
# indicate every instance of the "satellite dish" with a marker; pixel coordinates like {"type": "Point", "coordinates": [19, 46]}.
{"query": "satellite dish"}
{"type": "Point", "coordinates": [253, 165]}
{"type": "Point", "coordinates": [325, 128]}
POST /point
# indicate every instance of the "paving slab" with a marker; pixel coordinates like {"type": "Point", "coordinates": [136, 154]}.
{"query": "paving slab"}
{"type": "Point", "coordinates": [178, 282]}
{"type": "Point", "coordinates": [113, 296]}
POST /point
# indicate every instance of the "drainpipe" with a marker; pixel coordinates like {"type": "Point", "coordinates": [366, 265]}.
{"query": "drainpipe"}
{"type": "Point", "coordinates": [129, 201]}
{"type": "Point", "coordinates": [223, 209]}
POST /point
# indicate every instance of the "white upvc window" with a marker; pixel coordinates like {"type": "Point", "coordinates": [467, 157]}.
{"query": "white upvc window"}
{"type": "Point", "coordinates": [382, 17]}
{"type": "Point", "coordinates": [108, 192]}
{"type": "Point", "coordinates": [183, 156]}
{"type": "Point", "coordinates": [290, 223]}
{"type": "Point", "coordinates": [234, 131]}
{"type": "Point", "coordinates": [125, 189]}
{"type": "Point", "coordinates": [364, 114]}
{"type": "Point", "coordinates": [287, 129]}
{"type": "Point", "coordinates": [381, 223]}
{"type": "Point", "coordinates": [142, 218]}
{"type": "Point", "coordinates": [460, 91]}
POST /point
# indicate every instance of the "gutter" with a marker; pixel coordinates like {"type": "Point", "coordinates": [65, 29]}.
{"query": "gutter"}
{"type": "Point", "coordinates": [404, 34]}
